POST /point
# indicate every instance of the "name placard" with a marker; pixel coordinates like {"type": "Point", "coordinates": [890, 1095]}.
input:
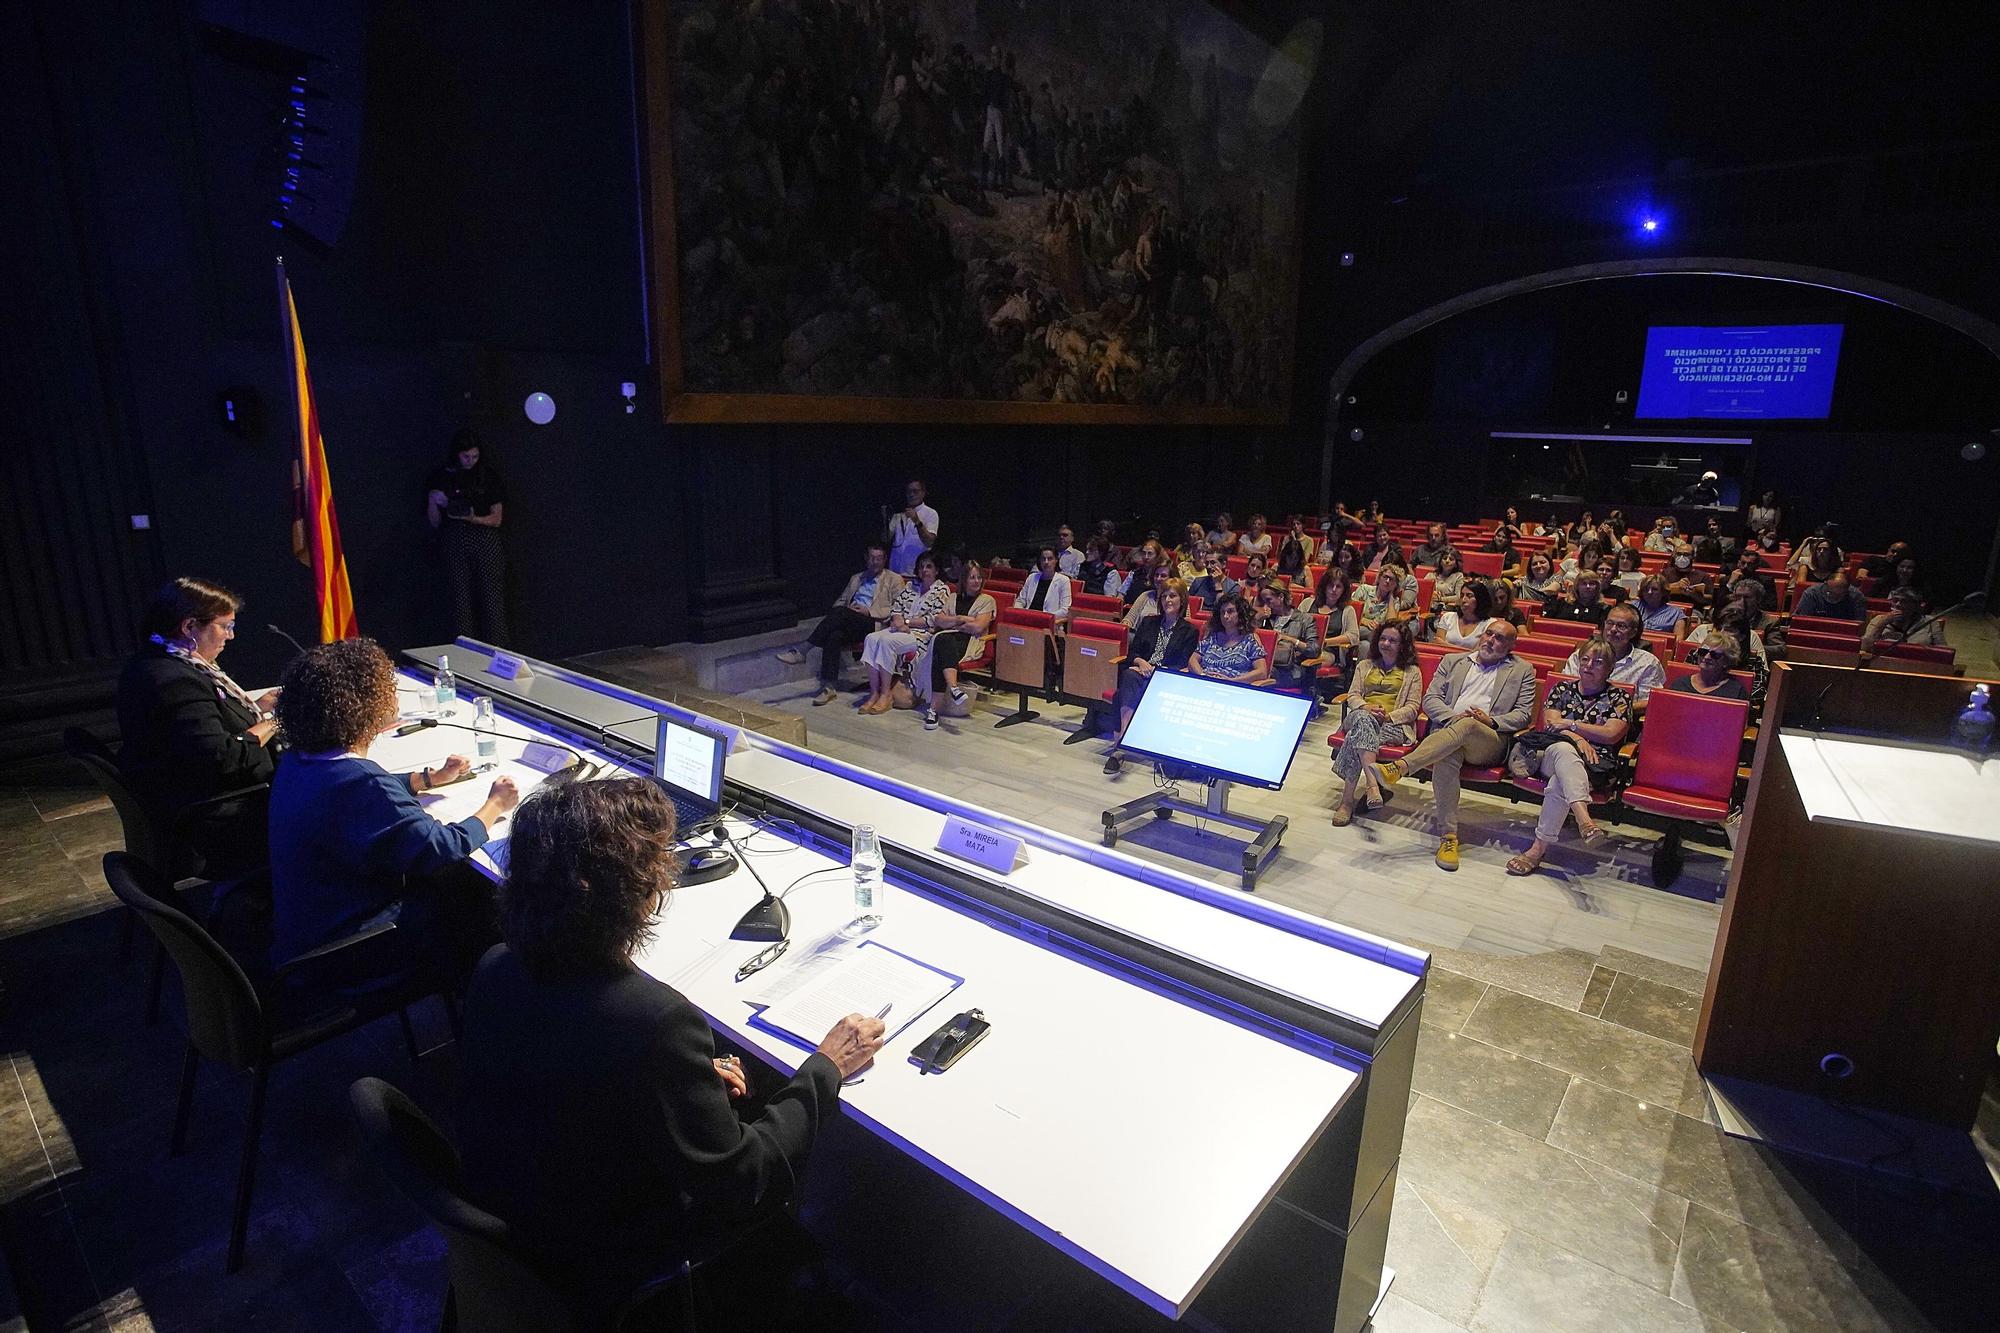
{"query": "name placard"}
{"type": "Point", "coordinates": [509, 667]}
{"type": "Point", "coordinates": [981, 846]}
{"type": "Point", "coordinates": [546, 758]}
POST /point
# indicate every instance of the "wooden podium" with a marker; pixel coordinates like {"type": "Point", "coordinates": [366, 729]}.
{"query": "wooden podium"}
{"type": "Point", "coordinates": [1858, 956]}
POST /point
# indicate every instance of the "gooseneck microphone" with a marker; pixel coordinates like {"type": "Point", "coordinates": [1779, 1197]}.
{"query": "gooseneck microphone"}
{"type": "Point", "coordinates": [583, 767]}
{"type": "Point", "coordinates": [769, 918]}
{"type": "Point", "coordinates": [297, 647]}
{"type": "Point", "coordinates": [1975, 598]}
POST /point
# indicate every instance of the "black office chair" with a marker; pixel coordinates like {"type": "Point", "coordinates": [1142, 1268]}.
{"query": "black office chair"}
{"type": "Point", "coordinates": [166, 850]}
{"type": "Point", "coordinates": [495, 1285]}
{"type": "Point", "coordinates": [232, 1024]}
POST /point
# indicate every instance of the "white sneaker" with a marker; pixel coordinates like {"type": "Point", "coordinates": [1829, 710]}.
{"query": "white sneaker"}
{"type": "Point", "coordinates": [957, 695]}
{"type": "Point", "coordinates": [930, 719]}
{"type": "Point", "coordinates": [793, 656]}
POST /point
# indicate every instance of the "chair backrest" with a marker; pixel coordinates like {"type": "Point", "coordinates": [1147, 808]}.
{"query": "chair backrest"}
{"type": "Point", "coordinates": [1268, 638]}
{"type": "Point", "coordinates": [1111, 631]}
{"type": "Point", "coordinates": [1846, 629]}
{"type": "Point", "coordinates": [143, 837]}
{"type": "Point", "coordinates": [1097, 604]}
{"type": "Point", "coordinates": [1486, 564]}
{"type": "Point", "coordinates": [1545, 645]}
{"type": "Point", "coordinates": [493, 1285]}
{"type": "Point", "coordinates": [1236, 566]}
{"type": "Point", "coordinates": [1942, 653]}
{"type": "Point", "coordinates": [225, 1019]}
{"type": "Point", "coordinates": [1194, 602]}
{"type": "Point", "coordinates": [1800, 638]}
{"type": "Point", "coordinates": [1691, 744]}
{"type": "Point", "coordinates": [1016, 615]}
{"type": "Point", "coordinates": [1576, 631]}
{"type": "Point", "coordinates": [1679, 671]}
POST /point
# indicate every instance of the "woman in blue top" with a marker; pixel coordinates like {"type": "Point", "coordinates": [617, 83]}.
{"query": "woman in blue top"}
{"type": "Point", "coordinates": [350, 842]}
{"type": "Point", "coordinates": [1657, 614]}
{"type": "Point", "coordinates": [1230, 649]}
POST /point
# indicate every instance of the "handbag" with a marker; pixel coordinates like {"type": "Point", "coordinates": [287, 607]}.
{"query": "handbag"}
{"type": "Point", "coordinates": [1531, 744]}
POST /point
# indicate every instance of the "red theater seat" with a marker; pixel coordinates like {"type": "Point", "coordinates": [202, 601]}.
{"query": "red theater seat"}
{"type": "Point", "coordinates": [1097, 605]}
{"type": "Point", "coordinates": [1687, 767]}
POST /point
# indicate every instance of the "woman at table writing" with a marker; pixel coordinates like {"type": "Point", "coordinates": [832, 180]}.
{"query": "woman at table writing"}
{"type": "Point", "coordinates": [595, 1118]}
{"type": "Point", "coordinates": [351, 843]}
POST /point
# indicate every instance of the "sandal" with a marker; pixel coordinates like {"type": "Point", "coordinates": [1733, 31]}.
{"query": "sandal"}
{"type": "Point", "coordinates": [1521, 865]}
{"type": "Point", "coordinates": [1342, 816]}
{"type": "Point", "coordinates": [1595, 835]}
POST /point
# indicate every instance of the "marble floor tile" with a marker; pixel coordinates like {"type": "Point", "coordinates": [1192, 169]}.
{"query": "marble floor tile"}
{"type": "Point", "coordinates": [1657, 1010]}
{"type": "Point", "coordinates": [1399, 1315]}
{"type": "Point", "coordinates": [1632, 1062]}
{"type": "Point", "coordinates": [89, 835]}
{"type": "Point", "coordinates": [1493, 1084]}
{"type": "Point", "coordinates": [1744, 1181]}
{"type": "Point", "coordinates": [1432, 1269]}
{"type": "Point", "coordinates": [1524, 1184]}
{"type": "Point", "coordinates": [1691, 979]}
{"type": "Point", "coordinates": [1539, 1288]}
{"type": "Point", "coordinates": [53, 803]}
{"type": "Point", "coordinates": [1557, 976]}
{"type": "Point", "coordinates": [1449, 998]}
{"type": "Point", "coordinates": [1739, 1277]}
{"type": "Point", "coordinates": [1596, 992]}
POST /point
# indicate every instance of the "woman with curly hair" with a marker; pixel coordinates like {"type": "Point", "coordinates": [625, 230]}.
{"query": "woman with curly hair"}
{"type": "Point", "coordinates": [350, 843]}
{"type": "Point", "coordinates": [595, 1117]}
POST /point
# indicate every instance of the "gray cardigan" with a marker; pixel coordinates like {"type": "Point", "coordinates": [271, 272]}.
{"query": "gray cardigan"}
{"type": "Point", "coordinates": [1513, 702]}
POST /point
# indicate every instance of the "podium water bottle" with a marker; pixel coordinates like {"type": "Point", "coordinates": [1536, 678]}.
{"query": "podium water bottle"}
{"type": "Point", "coordinates": [482, 722]}
{"type": "Point", "coordinates": [867, 878]}
{"type": "Point", "coordinates": [1973, 731]}
{"type": "Point", "coordinates": [447, 685]}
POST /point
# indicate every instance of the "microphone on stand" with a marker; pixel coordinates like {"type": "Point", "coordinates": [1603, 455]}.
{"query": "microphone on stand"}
{"type": "Point", "coordinates": [1861, 659]}
{"type": "Point", "coordinates": [297, 647]}
{"type": "Point", "coordinates": [583, 767]}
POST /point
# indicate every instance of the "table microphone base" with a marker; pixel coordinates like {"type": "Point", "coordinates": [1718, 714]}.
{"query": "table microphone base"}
{"type": "Point", "coordinates": [770, 919]}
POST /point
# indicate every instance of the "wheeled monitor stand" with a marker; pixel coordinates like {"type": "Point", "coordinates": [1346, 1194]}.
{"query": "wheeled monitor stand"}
{"type": "Point", "coordinates": [1257, 853]}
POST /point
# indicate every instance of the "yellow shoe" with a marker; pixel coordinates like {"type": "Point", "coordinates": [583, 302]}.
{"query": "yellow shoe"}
{"type": "Point", "coordinates": [1447, 852]}
{"type": "Point", "coordinates": [1389, 774]}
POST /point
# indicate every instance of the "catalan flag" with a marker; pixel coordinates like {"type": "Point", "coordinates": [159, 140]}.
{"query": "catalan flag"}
{"type": "Point", "coordinates": [315, 528]}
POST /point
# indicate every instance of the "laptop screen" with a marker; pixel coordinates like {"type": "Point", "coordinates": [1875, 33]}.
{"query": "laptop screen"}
{"type": "Point", "coordinates": [689, 761]}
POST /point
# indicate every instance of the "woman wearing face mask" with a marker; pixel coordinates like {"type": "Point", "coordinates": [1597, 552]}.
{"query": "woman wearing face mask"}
{"type": "Point", "coordinates": [1684, 580]}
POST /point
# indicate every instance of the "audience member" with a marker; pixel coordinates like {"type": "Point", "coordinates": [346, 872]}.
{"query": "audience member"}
{"type": "Point", "coordinates": [1379, 708]}
{"type": "Point", "coordinates": [1714, 656]}
{"type": "Point", "coordinates": [1223, 534]}
{"type": "Point", "coordinates": [1574, 751]}
{"type": "Point", "coordinates": [1585, 525]}
{"type": "Point", "coordinates": [1096, 574]}
{"type": "Point", "coordinates": [1833, 599]}
{"type": "Point", "coordinates": [1906, 609]}
{"type": "Point", "coordinates": [1464, 627]}
{"type": "Point", "coordinates": [1747, 565]}
{"type": "Point", "coordinates": [1657, 615]}
{"type": "Point", "coordinates": [1448, 582]}
{"type": "Point", "coordinates": [1230, 649]}
{"type": "Point", "coordinates": [1725, 545]}
{"type": "Point", "coordinates": [1615, 520]}
{"type": "Point", "coordinates": [1734, 621]}
{"type": "Point", "coordinates": [1354, 564]}
{"type": "Point", "coordinates": [351, 844]}
{"type": "Point", "coordinates": [1148, 557]}
{"type": "Point", "coordinates": [1764, 514]}
{"type": "Point", "coordinates": [1899, 573]}
{"type": "Point", "coordinates": [969, 616]}
{"type": "Point", "coordinates": [1334, 596]}
{"type": "Point", "coordinates": [1068, 559]}
{"type": "Point", "coordinates": [190, 733]}
{"type": "Point", "coordinates": [1585, 602]}
{"type": "Point", "coordinates": [1188, 561]}
{"type": "Point", "coordinates": [1631, 664]}
{"type": "Point", "coordinates": [863, 607]}
{"type": "Point", "coordinates": [1213, 586]}
{"type": "Point", "coordinates": [1587, 554]}
{"type": "Point", "coordinates": [1818, 558]}
{"type": "Point", "coordinates": [1503, 603]}
{"type": "Point", "coordinates": [1665, 537]}
{"type": "Point", "coordinates": [1294, 661]}
{"type": "Point", "coordinates": [1046, 588]}
{"type": "Point", "coordinates": [1382, 601]}
{"type": "Point", "coordinates": [1510, 555]}
{"type": "Point", "coordinates": [1476, 702]}
{"type": "Point", "coordinates": [914, 618]}
{"type": "Point", "coordinates": [1631, 570]}
{"type": "Point", "coordinates": [1166, 641]}
{"type": "Point", "coordinates": [594, 1116]}
{"type": "Point", "coordinates": [1685, 579]}
{"type": "Point", "coordinates": [912, 530]}
{"type": "Point", "coordinates": [1148, 602]}
{"type": "Point", "coordinates": [1256, 573]}
{"type": "Point", "coordinates": [1432, 548]}
{"type": "Point", "coordinates": [1295, 553]}
{"type": "Point", "coordinates": [1543, 581]}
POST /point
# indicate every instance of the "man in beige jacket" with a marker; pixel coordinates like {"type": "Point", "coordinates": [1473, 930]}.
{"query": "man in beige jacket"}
{"type": "Point", "coordinates": [862, 607]}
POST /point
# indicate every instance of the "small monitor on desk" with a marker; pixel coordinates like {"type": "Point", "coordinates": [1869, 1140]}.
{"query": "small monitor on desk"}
{"type": "Point", "coordinates": [1244, 733]}
{"type": "Point", "coordinates": [687, 761]}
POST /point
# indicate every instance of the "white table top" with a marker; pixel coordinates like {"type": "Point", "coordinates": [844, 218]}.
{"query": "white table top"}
{"type": "Point", "coordinates": [1143, 1154]}
{"type": "Point", "coordinates": [1921, 790]}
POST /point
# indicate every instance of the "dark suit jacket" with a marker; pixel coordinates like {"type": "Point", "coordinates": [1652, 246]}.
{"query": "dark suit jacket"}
{"type": "Point", "coordinates": [593, 1122]}
{"type": "Point", "coordinates": [1180, 643]}
{"type": "Point", "coordinates": [183, 741]}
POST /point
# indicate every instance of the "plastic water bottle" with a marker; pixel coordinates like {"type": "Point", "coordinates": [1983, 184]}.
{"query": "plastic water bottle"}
{"type": "Point", "coordinates": [447, 685]}
{"type": "Point", "coordinates": [1972, 733]}
{"type": "Point", "coordinates": [867, 863]}
{"type": "Point", "coordinates": [482, 722]}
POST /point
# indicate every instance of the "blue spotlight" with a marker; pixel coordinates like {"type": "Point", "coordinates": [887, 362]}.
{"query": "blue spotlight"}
{"type": "Point", "coordinates": [1650, 224]}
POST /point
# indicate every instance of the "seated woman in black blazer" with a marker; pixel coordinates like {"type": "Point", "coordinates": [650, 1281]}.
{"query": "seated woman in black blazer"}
{"type": "Point", "coordinates": [189, 731]}
{"type": "Point", "coordinates": [595, 1119]}
{"type": "Point", "coordinates": [1165, 640]}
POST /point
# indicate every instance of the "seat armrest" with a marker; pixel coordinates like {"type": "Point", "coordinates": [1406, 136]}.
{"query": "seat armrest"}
{"type": "Point", "coordinates": [336, 949]}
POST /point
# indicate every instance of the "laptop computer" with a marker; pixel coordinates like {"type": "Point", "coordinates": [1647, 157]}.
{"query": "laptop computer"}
{"type": "Point", "coordinates": [687, 763]}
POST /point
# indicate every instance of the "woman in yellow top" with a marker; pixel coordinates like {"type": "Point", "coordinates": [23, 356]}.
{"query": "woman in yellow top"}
{"type": "Point", "coordinates": [1381, 709]}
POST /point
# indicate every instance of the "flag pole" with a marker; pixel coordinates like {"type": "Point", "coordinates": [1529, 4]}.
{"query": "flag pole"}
{"type": "Point", "coordinates": [301, 551]}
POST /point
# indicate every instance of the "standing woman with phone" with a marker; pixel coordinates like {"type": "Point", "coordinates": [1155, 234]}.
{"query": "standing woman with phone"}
{"type": "Point", "coordinates": [466, 505]}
